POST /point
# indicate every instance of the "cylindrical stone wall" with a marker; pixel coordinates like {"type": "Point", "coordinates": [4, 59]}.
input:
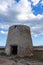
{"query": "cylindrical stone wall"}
{"type": "Point", "coordinates": [19, 35]}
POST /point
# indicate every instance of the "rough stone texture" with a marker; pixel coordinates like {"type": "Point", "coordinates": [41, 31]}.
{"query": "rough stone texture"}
{"type": "Point", "coordinates": [30, 62]}
{"type": "Point", "coordinates": [19, 35]}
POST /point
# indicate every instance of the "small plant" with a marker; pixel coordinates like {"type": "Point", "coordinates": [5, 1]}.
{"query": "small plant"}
{"type": "Point", "coordinates": [2, 54]}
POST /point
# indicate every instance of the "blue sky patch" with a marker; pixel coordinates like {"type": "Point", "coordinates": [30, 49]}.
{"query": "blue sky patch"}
{"type": "Point", "coordinates": [17, 0]}
{"type": "Point", "coordinates": [38, 9]}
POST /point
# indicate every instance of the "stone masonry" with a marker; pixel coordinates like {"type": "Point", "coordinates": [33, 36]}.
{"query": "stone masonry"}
{"type": "Point", "coordinates": [19, 41]}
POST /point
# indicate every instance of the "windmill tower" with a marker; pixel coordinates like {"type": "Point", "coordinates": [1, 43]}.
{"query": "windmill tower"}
{"type": "Point", "coordinates": [19, 41]}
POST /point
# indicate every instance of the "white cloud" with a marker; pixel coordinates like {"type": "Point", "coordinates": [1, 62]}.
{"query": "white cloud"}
{"type": "Point", "coordinates": [22, 13]}
{"type": "Point", "coordinates": [36, 26]}
{"type": "Point", "coordinates": [34, 35]}
{"type": "Point", "coordinates": [35, 2]}
{"type": "Point", "coordinates": [4, 26]}
{"type": "Point", "coordinates": [37, 30]}
{"type": "Point", "coordinates": [42, 2]}
{"type": "Point", "coordinates": [3, 7]}
{"type": "Point", "coordinates": [19, 11]}
{"type": "Point", "coordinates": [24, 8]}
{"type": "Point", "coordinates": [3, 32]}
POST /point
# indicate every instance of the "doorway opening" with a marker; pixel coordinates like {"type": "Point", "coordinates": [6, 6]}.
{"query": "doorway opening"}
{"type": "Point", "coordinates": [14, 50]}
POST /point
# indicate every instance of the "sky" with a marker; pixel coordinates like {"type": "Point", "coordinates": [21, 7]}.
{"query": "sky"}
{"type": "Point", "coordinates": [22, 12]}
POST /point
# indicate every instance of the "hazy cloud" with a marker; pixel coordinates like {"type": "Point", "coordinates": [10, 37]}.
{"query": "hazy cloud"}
{"type": "Point", "coordinates": [3, 32]}
{"type": "Point", "coordinates": [35, 2]}
{"type": "Point", "coordinates": [4, 26]}
{"type": "Point", "coordinates": [42, 2]}
{"type": "Point", "coordinates": [21, 13]}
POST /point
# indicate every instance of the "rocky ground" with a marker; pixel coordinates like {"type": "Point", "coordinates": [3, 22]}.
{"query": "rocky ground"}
{"type": "Point", "coordinates": [18, 61]}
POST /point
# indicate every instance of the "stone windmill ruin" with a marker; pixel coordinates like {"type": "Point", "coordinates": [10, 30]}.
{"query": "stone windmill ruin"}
{"type": "Point", "coordinates": [19, 41]}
